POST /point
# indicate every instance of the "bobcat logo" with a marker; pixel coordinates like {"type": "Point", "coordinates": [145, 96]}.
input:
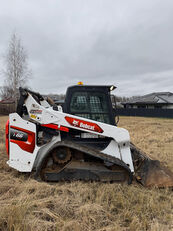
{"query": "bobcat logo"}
{"type": "Point", "coordinates": [75, 122]}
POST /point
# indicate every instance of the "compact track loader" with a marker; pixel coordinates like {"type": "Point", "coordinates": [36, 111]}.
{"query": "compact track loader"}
{"type": "Point", "coordinates": [78, 140]}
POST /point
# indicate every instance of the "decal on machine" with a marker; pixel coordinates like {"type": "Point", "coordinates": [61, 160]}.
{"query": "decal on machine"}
{"type": "Point", "coordinates": [25, 139]}
{"type": "Point", "coordinates": [33, 116]}
{"type": "Point", "coordinates": [35, 111]}
{"type": "Point", "coordinates": [18, 135]}
{"type": "Point", "coordinates": [83, 124]}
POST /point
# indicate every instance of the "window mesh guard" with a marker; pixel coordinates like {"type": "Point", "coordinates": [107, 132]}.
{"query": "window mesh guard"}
{"type": "Point", "coordinates": [90, 105]}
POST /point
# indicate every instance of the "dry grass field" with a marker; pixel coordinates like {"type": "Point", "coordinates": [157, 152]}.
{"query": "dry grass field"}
{"type": "Point", "coordinates": [26, 204]}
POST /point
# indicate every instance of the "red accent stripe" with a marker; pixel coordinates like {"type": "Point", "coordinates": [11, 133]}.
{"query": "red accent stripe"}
{"type": "Point", "coordinates": [6, 137]}
{"type": "Point", "coordinates": [28, 145]}
{"type": "Point", "coordinates": [54, 126]}
{"type": "Point", "coordinates": [64, 129]}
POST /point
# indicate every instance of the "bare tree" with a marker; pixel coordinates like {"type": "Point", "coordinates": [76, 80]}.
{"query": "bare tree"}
{"type": "Point", "coordinates": [16, 72]}
{"type": "Point", "coordinates": [6, 92]}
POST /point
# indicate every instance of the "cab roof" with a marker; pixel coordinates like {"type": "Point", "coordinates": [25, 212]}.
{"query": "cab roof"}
{"type": "Point", "coordinates": [108, 87]}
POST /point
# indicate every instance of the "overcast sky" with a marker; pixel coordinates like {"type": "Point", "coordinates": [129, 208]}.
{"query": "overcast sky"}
{"type": "Point", "coordinates": [128, 43]}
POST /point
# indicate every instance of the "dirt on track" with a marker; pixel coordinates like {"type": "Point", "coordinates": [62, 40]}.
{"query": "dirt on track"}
{"type": "Point", "coordinates": [26, 204]}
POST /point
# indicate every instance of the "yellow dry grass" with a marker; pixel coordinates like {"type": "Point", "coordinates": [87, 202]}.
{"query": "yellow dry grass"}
{"type": "Point", "coordinates": [26, 204]}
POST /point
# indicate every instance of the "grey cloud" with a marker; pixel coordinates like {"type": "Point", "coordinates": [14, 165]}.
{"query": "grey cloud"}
{"type": "Point", "coordinates": [126, 43]}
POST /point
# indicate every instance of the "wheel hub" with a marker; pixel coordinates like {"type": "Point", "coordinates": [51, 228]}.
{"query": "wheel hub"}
{"type": "Point", "coordinates": [61, 155]}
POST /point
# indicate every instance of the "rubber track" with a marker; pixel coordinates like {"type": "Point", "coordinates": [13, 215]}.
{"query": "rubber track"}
{"type": "Point", "coordinates": [92, 152]}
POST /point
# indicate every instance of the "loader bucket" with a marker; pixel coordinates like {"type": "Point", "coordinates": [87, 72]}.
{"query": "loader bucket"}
{"type": "Point", "coordinates": [150, 172]}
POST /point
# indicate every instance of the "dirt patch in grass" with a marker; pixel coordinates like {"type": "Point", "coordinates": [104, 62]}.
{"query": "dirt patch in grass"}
{"type": "Point", "coordinates": [30, 205]}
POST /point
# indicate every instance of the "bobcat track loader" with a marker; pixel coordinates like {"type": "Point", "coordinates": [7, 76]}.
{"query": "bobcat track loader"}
{"type": "Point", "coordinates": [78, 141]}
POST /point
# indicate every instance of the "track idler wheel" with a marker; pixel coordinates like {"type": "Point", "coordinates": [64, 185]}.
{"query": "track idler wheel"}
{"type": "Point", "coordinates": [61, 155]}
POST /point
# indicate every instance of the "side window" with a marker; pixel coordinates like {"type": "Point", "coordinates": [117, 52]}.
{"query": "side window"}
{"type": "Point", "coordinates": [95, 104]}
{"type": "Point", "coordinates": [78, 102]}
{"type": "Point", "coordinates": [104, 118]}
{"type": "Point", "coordinates": [98, 103]}
{"type": "Point", "coordinates": [91, 105]}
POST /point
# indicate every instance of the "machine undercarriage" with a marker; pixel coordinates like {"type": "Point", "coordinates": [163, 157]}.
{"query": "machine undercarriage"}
{"type": "Point", "coordinates": [70, 161]}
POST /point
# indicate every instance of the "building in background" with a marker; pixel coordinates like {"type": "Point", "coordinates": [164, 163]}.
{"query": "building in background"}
{"type": "Point", "coordinates": [163, 100]}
